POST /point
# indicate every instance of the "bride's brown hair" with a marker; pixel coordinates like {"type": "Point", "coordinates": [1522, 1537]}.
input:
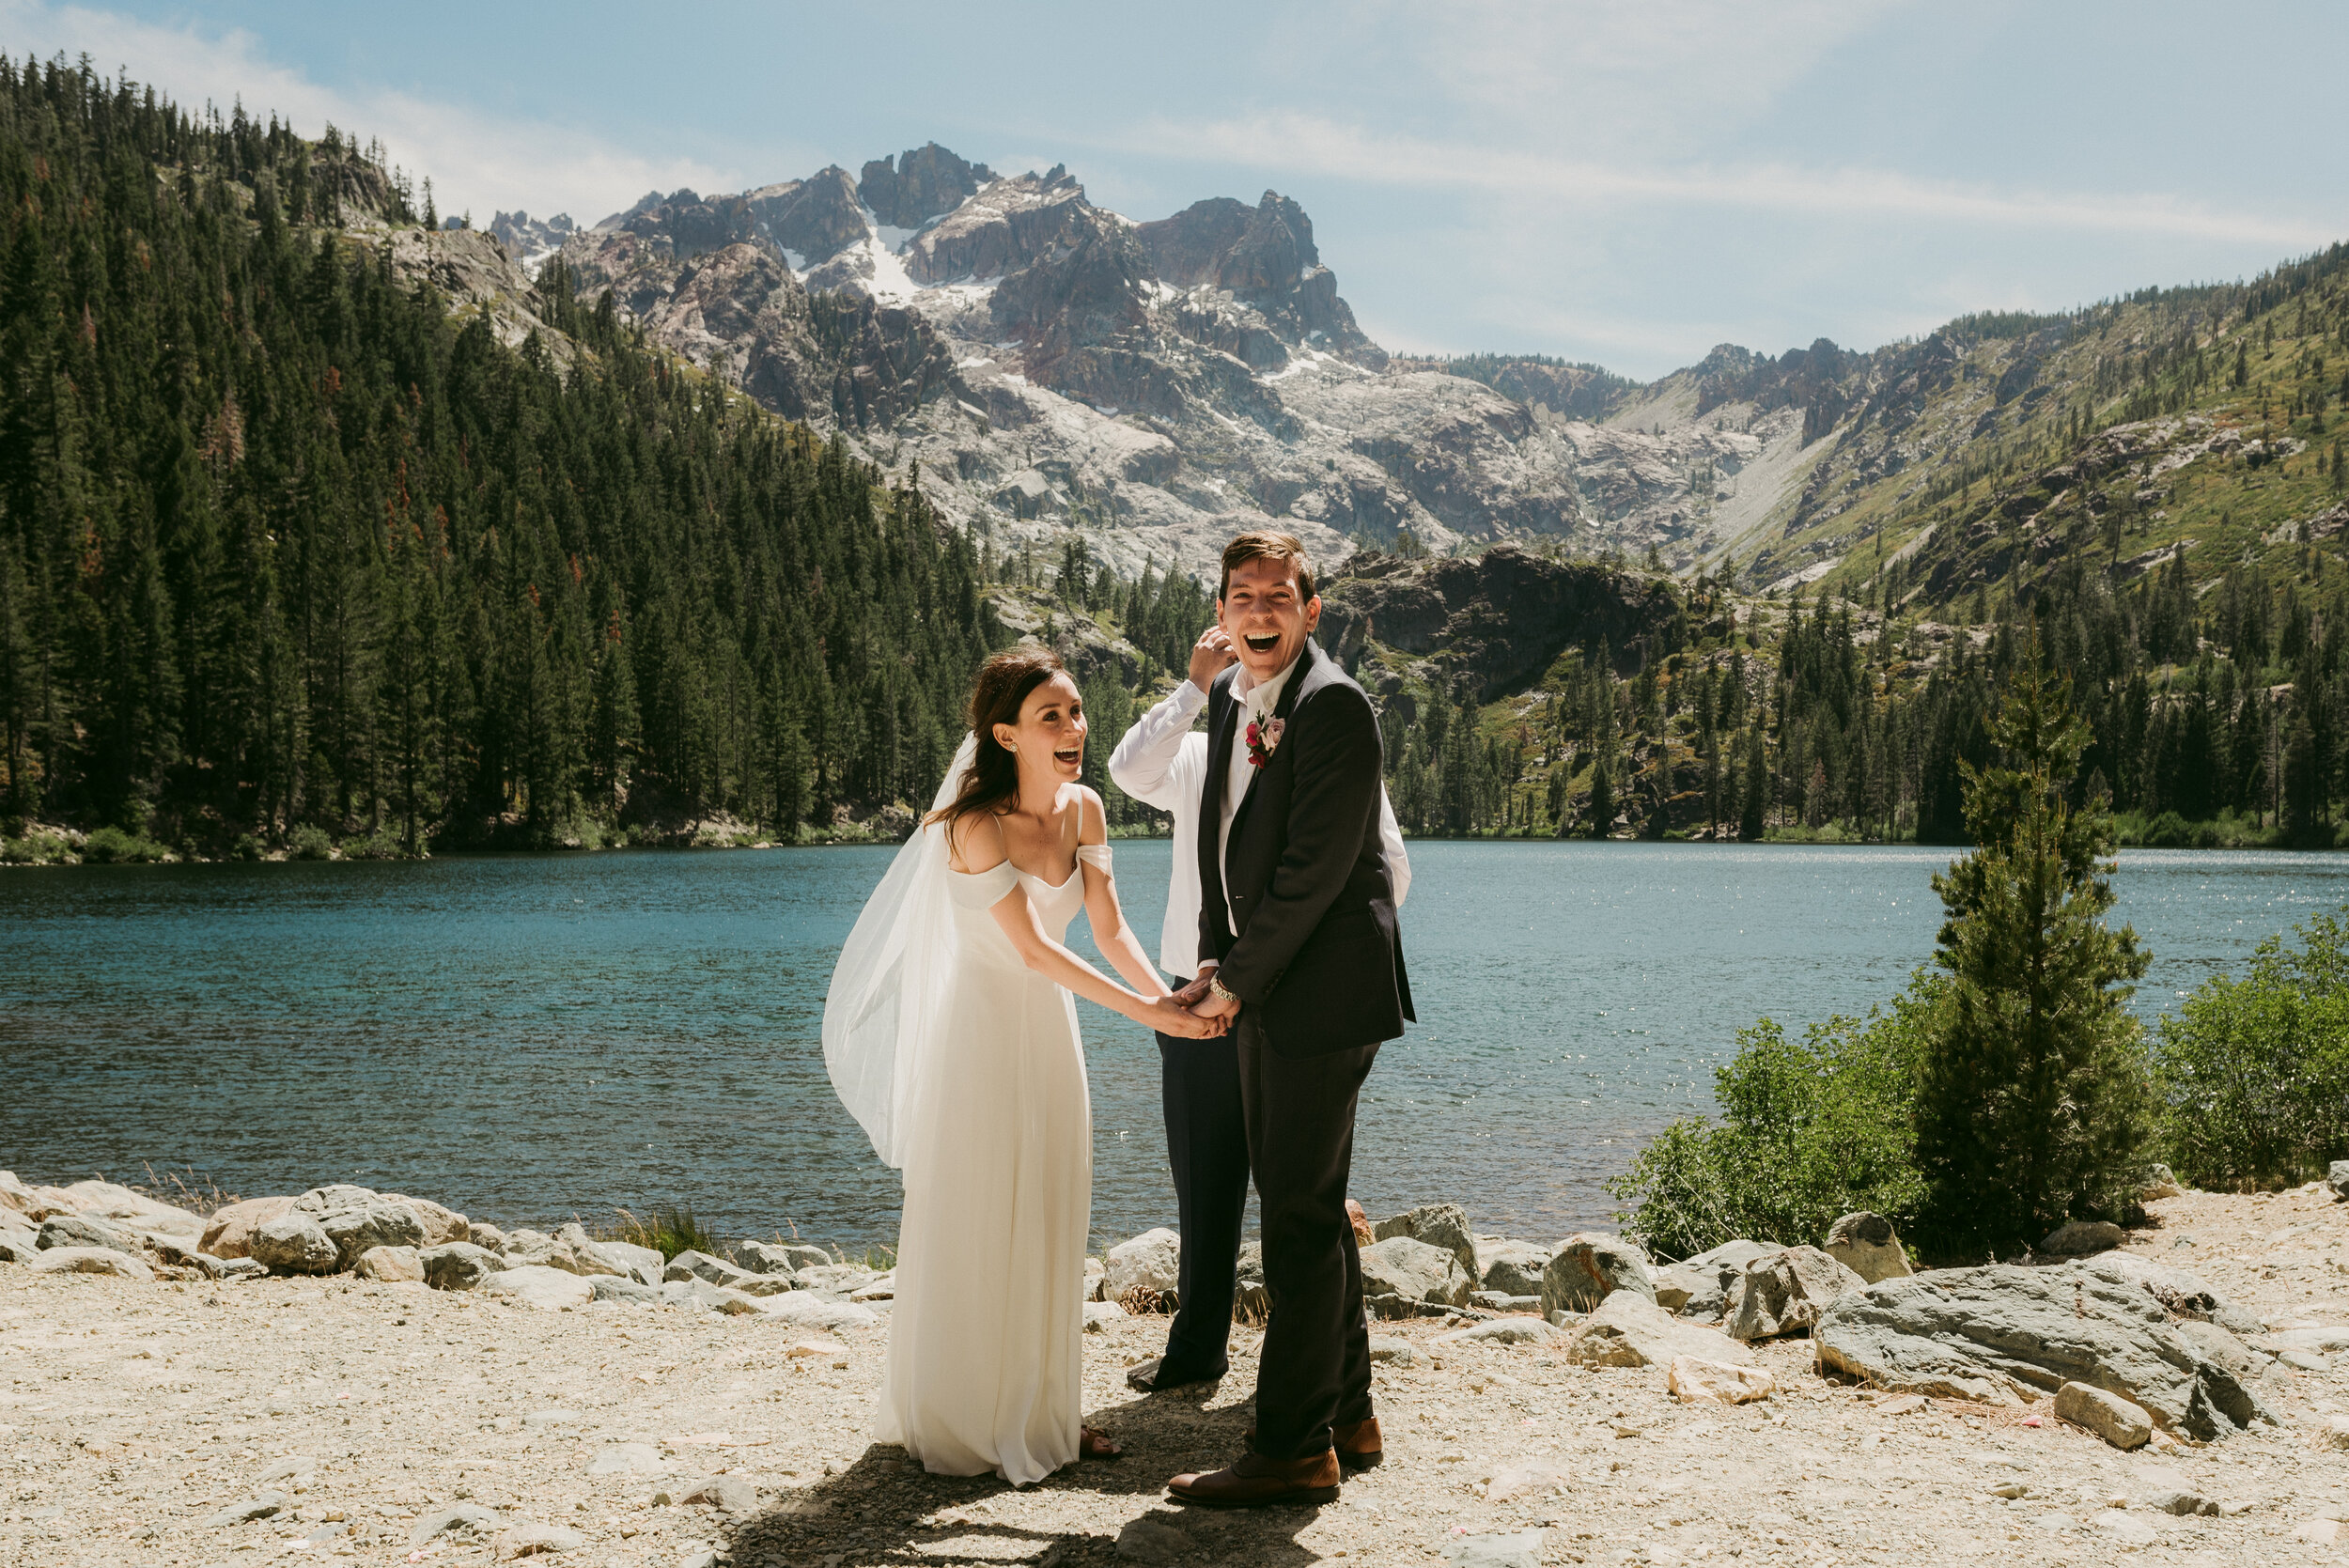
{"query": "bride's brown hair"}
{"type": "Point", "coordinates": [1003, 685]}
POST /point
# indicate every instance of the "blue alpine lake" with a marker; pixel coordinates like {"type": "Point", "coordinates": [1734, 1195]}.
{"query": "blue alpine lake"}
{"type": "Point", "coordinates": [533, 1039]}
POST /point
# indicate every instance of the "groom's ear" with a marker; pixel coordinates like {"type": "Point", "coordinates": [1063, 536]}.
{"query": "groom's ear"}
{"type": "Point", "coordinates": [1313, 612]}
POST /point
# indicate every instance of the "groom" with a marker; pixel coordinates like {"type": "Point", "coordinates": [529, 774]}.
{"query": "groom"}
{"type": "Point", "coordinates": [1298, 938]}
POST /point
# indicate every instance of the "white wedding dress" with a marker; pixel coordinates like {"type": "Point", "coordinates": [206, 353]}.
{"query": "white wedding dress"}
{"type": "Point", "coordinates": [986, 1334]}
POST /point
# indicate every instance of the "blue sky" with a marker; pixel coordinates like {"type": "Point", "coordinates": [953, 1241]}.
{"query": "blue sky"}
{"type": "Point", "coordinates": [1625, 183]}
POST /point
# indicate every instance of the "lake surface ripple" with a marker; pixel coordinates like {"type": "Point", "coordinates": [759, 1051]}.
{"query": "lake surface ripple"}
{"type": "Point", "coordinates": [531, 1038]}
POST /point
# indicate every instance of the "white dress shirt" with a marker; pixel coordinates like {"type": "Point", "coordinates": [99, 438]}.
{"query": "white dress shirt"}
{"type": "Point", "coordinates": [1163, 762]}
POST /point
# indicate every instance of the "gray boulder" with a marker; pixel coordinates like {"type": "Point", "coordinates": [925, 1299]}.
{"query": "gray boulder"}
{"type": "Point", "coordinates": [441, 1223]}
{"type": "Point", "coordinates": [2009, 1335]}
{"type": "Point", "coordinates": [2183, 1295]}
{"type": "Point", "coordinates": [2075, 1238]}
{"type": "Point", "coordinates": [611, 1287]}
{"type": "Point", "coordinates": [1251, 1300]}
{"type": "Point", "coordinates": [701, 1265]}
{"type": "Point", "coordinates": [1700, 1287]}
{"type": "Point", "coordinates": [540, 1288]}
{"type": "Point", "coordinates": [390, 1265]}
{"type": "Point", "coordinates": [80, 1229]}
{"type": "Point", "coordinates": [1785, 1292]}
{"type": "Point", "coordinates": [587, 1255]}
{"type": "Point", "coordinates": [1587, 1268]}
{"type": "Point", "coordinates": [362, 1227]}
{"type": "Point", "coordinates": [1151, 1261]}
{"type": "Point", "coordinates": [691, 1291]}
{"type": "Point", "coordinates": [2108, 1415]}
{"type": "Point", "coordinates": [2161, 1182]}
{"type": "Point", "coordinates": [482, 1233]}
{"type": "Point", "coordinates": [1505, 1331]}
{"type": "Point", "coordinates": [568, 1249]}
{"type": "Point", "coordinates": [645, 1264]}
{"type": "Point", "coordinates": [293, 1243]}
{"type": "Point", "coordinates": [17, 1244]}
{"type": "Point", "coordinates": [1866, 1243]}
{"type": "Point", "coordinates": [1630, 1330]}
{"type": "Point", "coordinates": [457, 1265]}
{"type": "Point", "coordinates": [841, 1279]}
{"type": "Point", "coordinates": [2336, 1177]}
{"type": "Point", "coordinates": [1444, 1225]}
{"type": "Point", "coordinates": [1415, 1271]}
{"type": "Point", "coordinates": [807, 1309]}
{"type": "Point", "coordinates": [776, 1257]}
{"type": "Point", "coordinates": [326, 1199]}
{"type": "Point", "coordinates": [91, 1260]}
{"type": "Point", "coordinates": [1510, 1267]}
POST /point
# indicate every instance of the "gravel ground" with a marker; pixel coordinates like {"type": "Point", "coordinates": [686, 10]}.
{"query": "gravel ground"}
{"type": "Point", "coordinates": [133, 1413]}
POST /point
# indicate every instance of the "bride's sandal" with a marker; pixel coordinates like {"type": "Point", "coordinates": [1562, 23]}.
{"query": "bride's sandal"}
{"type": "Point", "coordinates": [1094, 1443]}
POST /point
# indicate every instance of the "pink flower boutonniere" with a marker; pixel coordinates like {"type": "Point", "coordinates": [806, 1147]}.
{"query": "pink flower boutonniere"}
{"type": "Point", "coordinates": [1263, 738]}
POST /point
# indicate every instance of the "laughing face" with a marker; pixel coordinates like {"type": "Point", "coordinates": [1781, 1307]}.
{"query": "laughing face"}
{"type": "Point", "coordinates": [1050, 734]}
{"type": "Point", "coordinates": [1266, 618]}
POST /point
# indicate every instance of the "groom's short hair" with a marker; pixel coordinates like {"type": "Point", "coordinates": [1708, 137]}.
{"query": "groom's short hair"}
{"type": "Point", "coordinates": [1266, 545]}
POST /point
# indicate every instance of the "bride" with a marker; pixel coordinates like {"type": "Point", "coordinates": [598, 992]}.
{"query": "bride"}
{"type": "Point", "coordinates": [950, 1034]}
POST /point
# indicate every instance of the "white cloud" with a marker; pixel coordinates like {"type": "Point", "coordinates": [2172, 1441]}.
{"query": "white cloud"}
{"type": "Point", "coordinates": [477, 162]}
{"type": "Point", "coordinates": [1299, 144]}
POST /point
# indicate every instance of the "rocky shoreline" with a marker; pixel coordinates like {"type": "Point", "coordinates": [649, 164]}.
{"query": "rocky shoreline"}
{"type": "Point", "coordinates": [370, 1376]}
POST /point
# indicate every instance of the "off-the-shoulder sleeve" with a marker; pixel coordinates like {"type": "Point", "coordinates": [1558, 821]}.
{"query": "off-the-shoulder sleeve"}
{"type": "Point", "coordinates": [1094, 855]}
{"type": "Point", "coordinates": [982, 890]}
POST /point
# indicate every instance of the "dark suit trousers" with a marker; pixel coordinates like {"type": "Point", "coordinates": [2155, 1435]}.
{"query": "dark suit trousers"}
{"type": "Point", "coordinates": [1314, 1367]}
{"type": "Point", "coordinates": [1207, 1144]}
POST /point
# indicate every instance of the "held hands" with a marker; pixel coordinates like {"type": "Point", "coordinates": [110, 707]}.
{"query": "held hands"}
{"type": "Point", "coordinates": [1199, 996]}
{"type": "Point", "coordinates": [1210, 656]}
{"type": "Point", "coordinates": [1168, 1016]}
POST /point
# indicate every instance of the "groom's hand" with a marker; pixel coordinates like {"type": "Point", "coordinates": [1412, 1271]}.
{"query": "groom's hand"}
{"type": "Point", "coordinates": [1215, 1007]}
{"type": "Point", "coordinates": [1190, 994]}
{"type": "Point", "coordinates": [1210, 656]}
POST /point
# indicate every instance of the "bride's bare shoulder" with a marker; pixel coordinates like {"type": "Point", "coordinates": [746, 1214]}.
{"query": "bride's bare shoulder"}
{"type": "Point", "coordinates": [1093, 818]}
{"type": "Point", "coordinates": [974, 842]}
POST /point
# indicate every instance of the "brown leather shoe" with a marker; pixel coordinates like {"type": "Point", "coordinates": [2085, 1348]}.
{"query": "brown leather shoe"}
{"type": "Point", "coordinates": [1256, 1482]}
{"type": "Point", "coordinates": [1359, 1446]}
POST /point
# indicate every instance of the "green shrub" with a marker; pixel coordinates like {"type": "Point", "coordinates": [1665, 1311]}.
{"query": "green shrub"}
{"type": "Point", "coordinates": [112, 846]}
{"type": "Point", "coordinates": [2168, 831]}
{"type": "Point", "coordinates": [247, 848]}
{"type": "Point", "coordinates": [671, 1230]}
{"type": "Point", "coordinates": [381, 844]}
{"type": "Point", "coordinates": [311, 844]}
{"type": "Point", "coordinates": [1809, 1130]}
{"type": "Point", "coordinates": [2254, 1074]}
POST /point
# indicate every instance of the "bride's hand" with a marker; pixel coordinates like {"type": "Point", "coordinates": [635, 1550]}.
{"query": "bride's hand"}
{"type": "Point", "coordinates": [1170, 1016]}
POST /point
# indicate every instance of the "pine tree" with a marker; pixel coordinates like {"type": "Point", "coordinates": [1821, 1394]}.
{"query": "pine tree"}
{"type": "Point", "coordinates": [2034, 1104]}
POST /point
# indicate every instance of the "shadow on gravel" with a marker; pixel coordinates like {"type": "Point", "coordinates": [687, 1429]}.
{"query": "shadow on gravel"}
{"type": "Point", "coordinates": [886, 1511]}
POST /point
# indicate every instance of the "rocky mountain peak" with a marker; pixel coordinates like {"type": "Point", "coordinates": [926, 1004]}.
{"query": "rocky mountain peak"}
{"type": "Point", "coordinates": [919, 184]}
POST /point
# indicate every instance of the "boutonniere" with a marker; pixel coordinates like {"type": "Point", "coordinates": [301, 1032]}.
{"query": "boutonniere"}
{"type": "Point", "coordinates": [1263, 737]}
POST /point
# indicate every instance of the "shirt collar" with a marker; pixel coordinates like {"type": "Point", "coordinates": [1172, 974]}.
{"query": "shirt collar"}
{"type": "Point", "coordinates": [1264, 696]}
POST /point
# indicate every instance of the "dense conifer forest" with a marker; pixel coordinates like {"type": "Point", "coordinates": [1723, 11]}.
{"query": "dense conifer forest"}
{"type": "Point", "coordinates": [284, 546]}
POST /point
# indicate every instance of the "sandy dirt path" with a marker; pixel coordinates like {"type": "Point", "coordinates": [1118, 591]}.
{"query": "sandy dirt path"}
{"type": "Point", "coordinates": [132, 1414]}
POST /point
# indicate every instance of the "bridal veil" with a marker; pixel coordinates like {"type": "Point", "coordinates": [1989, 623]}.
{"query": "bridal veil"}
{"type": "Point", "coordinates": [884, 1013]}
